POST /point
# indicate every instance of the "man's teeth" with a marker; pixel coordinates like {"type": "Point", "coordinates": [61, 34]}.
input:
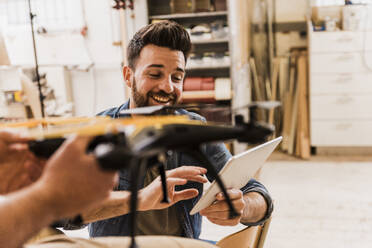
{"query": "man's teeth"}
{"type": "Point", "coordinates": [160, 98]}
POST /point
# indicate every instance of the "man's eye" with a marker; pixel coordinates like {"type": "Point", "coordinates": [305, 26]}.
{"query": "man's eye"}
{"type": "Point", "coordinates": [154, 75]}
{"type": "Point", "coordinates": [177, 79]}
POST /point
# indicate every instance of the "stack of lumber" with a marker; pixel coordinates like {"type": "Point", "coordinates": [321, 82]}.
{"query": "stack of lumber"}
{"type": "Point", "coordinates": [288, 84]}
{"type": "Point", "coordinates": [296, 129]}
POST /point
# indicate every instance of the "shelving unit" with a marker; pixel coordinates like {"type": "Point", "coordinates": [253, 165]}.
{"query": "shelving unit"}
{"type": "Point", "coordinates": [340, 88]}
{"type": "Point", "coordinates": [207, 67]}
{"type": "Point", "coordinates": [210, 41]}
{"type": "Point", "coordinates": [207, 44]}
{"type": "Point", "coordinates": [202, 45]}
{"type": "Point", "coordinates": [189, 15]}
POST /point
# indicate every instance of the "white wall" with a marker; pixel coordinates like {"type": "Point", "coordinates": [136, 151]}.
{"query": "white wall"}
{"type": "Point", "coordinates": [102, 87]}
{"type": "Point", "coordinates": [290, 11]}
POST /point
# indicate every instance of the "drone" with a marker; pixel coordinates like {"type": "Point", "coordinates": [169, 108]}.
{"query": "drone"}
{"type": "Point", "coordinates": [144, 140]}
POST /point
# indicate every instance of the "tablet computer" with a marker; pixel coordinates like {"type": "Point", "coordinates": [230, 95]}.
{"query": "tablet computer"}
{"type": "Point", "coordinates": [237, 172]}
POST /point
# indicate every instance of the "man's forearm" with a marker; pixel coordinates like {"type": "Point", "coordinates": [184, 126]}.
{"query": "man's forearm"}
{"type": "Point", "coordinates": [255, 207]}
{"type": "Point", "coordinates": [117, 204]}
{"type": "Point", "coordinates": [23, 214]}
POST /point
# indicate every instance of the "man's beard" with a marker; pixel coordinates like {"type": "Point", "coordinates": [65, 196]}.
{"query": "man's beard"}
{"type": "Point", "coordinates": [141, 100]}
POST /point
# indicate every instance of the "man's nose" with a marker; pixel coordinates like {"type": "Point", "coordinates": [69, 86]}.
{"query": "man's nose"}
{"type": "Point", "coordinates": [167, 85]}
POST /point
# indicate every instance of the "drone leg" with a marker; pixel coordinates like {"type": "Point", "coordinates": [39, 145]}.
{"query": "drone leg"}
{"type": "Point", "coordinates": [137, 171]}
{"type": "Point", "coordinates": [162, 164]}
{"type": "Point", "coordinates": [161, 169]}
{"type": "Point", "coordinates": [199, 155]}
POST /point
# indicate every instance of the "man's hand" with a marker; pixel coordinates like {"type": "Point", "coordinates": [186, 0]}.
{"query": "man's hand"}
{"type": "Point", "coordinates": [150, 197]}
{"type": "Point", "coordinates": [18, 166]}
{"type": "Point", "coordinates": [218, 212]}
{"type": "Point", "coordinates": [72, 181]}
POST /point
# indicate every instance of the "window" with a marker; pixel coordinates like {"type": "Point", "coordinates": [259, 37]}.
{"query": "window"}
{"type": "Point", "coordinates": [50, 14]}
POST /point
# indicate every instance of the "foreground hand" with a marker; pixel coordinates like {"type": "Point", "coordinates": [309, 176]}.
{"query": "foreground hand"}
{"type": "Point", "coordinates": [218, 212]}
{"type": "Point", "coordinates": [18, 166]}
{"type": "Point", "coordinates": [72, 181]}
{"type": "Point", "coordinates": [151, 196]}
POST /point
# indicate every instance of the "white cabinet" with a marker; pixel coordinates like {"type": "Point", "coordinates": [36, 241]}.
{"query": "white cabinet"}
{"type": "Point", "coordinates": [340, 88]}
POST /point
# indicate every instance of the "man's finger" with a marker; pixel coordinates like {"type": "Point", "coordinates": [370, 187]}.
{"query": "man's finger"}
{"type": "Point", "coordinates": [33, 169]}
{"type": "Point", "coordinates": [222, 206]}
{"type": "Point", "coordinates": [171, 182]}
{"type": "Point", "coordinates": [198, 178]}
{"type": "Point", "coordinates": [18, 183]}
{"type": "Point", "coordinates": [233, 194]}
{"type": "Point", "coordinates": [12, 137]}
{"type": "Point", "coordinates": [185, 194]}
{"type": "Point", "coordinates": [230, 222]}
{"type": "Point", "coordinates": [186, 170]}
{"type": "Point", "coordinates": [222, 215]}
{"type": "Point", "coordinates": [78, 142]}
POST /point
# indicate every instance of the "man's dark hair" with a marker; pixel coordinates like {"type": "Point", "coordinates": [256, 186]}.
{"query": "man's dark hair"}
{"type": "Point", "coordinates": [165, 34]}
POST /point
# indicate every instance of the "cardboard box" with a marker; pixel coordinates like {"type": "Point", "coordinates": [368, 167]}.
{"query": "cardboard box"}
{"type": "Point", "coordinates": [320, 13]}
{"type": "Point", "coordinates": [355, 17]}
{"type": "Point", "coordinates": [182, 6]}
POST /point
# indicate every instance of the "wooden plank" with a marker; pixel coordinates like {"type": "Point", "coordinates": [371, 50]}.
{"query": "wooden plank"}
{"type": "Point", "coordinates": [4, 59]}
{"type": "Point", "coordinates": [256, 86]}
{"type": "Point", "coordinates": [303, 129]}
{"type": "Point", "coordinates": [294, 109]}
{"type": "Point", "coordinates": [288, 103]}
{"type": "Point", "coordinates": [293, 125]}
{"type": "Point", "coordinates": [299, 100]}
{"type": "Point", "coordinates": [283, 76]}
{"type": "Point", "coordinates": [268, 88]}
{"type": "Point", "coordinates": [274, 83]}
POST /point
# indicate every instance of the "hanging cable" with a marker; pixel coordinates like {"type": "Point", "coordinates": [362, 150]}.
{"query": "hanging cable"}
{"type": "Point", "coordinates": [41, 97]}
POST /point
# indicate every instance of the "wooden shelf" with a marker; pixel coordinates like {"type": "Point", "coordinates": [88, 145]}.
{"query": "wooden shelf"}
{"type": "Point", "coordinates": [208, 67]}
{"type": "Point", "coordinates": [201, 94]}
{"type": "Point", "coordinates": [189, 15]}
{"type": "Point", "coordinates": [209, 41]}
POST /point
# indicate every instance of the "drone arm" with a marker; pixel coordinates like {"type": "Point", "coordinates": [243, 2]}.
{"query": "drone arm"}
{"type": "Point", "coordinates": [163, 178]}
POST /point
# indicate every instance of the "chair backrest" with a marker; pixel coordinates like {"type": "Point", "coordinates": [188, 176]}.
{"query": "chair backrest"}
{"type": "Point", "coordinates": [62, 241]}
{"type": "Point", "coordinates": [250, 237]}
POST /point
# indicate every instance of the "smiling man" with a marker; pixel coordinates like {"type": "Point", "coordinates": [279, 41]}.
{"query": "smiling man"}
{"type": "Point", "coordinates": [148, 89]}
{"type": "Point", "coordinates": [157, 57]}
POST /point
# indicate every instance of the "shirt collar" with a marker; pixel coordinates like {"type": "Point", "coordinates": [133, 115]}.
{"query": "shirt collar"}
{"type": "Point", "coordinates": [121, 108]}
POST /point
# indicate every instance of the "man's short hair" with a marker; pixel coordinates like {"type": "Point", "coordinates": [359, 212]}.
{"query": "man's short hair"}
{"type": "Point", "coordinates": [164, 34]}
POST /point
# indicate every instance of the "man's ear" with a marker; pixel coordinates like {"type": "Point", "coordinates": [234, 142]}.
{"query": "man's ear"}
{"type": "Point", "coordinates": [128, 74]}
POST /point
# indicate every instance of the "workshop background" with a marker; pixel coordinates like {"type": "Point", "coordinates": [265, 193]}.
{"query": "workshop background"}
{"type": "Point", "coordinates": [312, 56]}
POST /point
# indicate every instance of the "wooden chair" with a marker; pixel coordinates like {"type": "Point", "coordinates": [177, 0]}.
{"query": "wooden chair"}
{"type": "Point", "coordinates": [250, 237]}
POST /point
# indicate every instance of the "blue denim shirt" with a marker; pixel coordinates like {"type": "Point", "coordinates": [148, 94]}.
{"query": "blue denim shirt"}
{"type": "Point", "coordinates": [217, 154]}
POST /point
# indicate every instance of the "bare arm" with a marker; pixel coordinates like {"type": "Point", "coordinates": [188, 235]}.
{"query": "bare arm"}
{"type": "Point", "coordinates": [117, 204]}
{"type": "Point", "coordinates": [23, 214]}
{"type": "Point", "coordinates": [63, 191]}
{"type": "Point", "coordinates": [150, 197]}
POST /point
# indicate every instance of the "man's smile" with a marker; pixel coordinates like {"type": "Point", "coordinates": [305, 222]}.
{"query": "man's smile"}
{"type": "Point", "coordinates": [161, 98]}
